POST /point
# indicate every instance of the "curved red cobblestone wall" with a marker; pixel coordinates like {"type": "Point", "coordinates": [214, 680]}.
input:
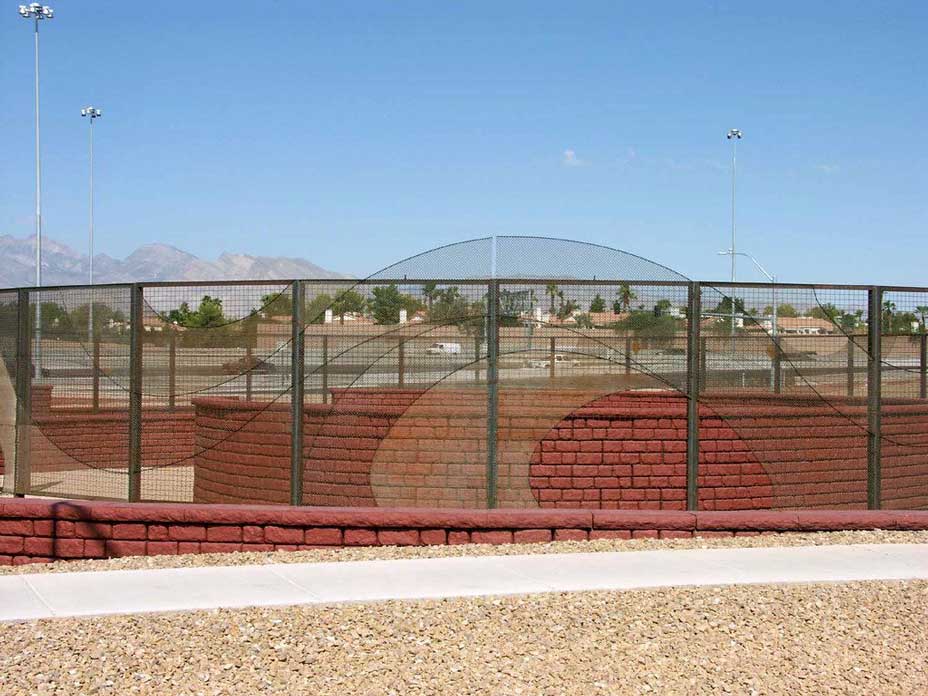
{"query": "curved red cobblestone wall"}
{"type": "Point", "coordinates": [628, 451]}
{"type": "Point", "coordinates": [571, 449]}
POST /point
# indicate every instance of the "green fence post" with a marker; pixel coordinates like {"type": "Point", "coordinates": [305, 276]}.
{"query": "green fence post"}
{"type": "Point", "coordinates": [874, 392]}
{"type": "Point", "coordinates": [401, 364]}
{"type": "Point", "coordinates": [851, 377]}
{"type": "Point", "coordinates": [492, 391]}
{"type": "Point", "coordinates": [297, 369]}
{"type": "Point", "coordinates": [777, 366]}
{"type": "Point", "coordinates": [172, 369]}
{"type": "Point", "coordinates": [95, 387]}
{"type": "Point", "coordinates": [22, 479]}
{"type": "Point", "coordinates": [249, 353]}
{"type": "Point", "coordinates": [923, 366]}
{"type": "Point", "coordinates": [325, 369]}
{"type": "Point", "coordinates": [135, 393]}
{"type": "Point", "coordinates": [551, 362]}
{"type": "Point", "coordinates": [693, 374]}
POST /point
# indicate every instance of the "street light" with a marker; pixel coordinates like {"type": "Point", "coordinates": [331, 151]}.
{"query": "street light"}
{"type": "Point", "coordinates": [734, 135]}
{"type": "Point", "coordinates": [37, 13]}
{"type": "Point", "coordinates": [93, 114]}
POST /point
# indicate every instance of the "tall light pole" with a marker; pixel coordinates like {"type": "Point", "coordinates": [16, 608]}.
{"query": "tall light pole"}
{"type": "Point", "coordinates": [93, 114]}
{"type": "Point", "coordinates": [773, 293]}
{"type": "Point", "coordinates": [734, 135]}
{"type": "Point", "coordinates": [37, 12]}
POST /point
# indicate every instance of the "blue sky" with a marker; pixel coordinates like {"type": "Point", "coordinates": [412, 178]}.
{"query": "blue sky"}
{"type": "Point", "coordinates": [357, 133]}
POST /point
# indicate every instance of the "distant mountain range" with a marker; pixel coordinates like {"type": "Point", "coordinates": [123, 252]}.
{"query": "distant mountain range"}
{"type": "Point", "coordinates": [62, 265]}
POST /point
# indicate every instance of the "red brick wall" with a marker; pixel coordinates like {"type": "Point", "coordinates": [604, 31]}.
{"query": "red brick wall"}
{"type": "Point", "coordinates": [815, 453]}
{"type": "Point", "coordinates": [67, 440]}
{"type": "Point", "coordinates": [243, 451]}
{"type": "Point", "coordinates": [628, 451]}
{"type": "Point", "coordinates": [35, 531]}
{"type": "Point", "coordinates": [571, 449]}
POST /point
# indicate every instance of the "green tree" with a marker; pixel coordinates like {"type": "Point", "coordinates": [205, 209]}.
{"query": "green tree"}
{"type": "Point", "coordinates": [181, 315]}
{"type": "Point", "coordinates": [904, 323]}
{"type": "Point", "coordinates": [648, 325]}
{"type": "Point", "coordinates": [210, 326]}
{"type": "Point", "coordinates": [315, 308]}
{"type": "Point", "coordinates": [598, 304]}
{"type": "Point", "coordinates": [849, 321]}
{"type": "Point", "coordinates": [103, 316]}
{"type": "Point", "coordinates": [624, 297]}
{"type": "Point", "coordinates": [662, 307]}
{"type": "Point", "coordinates": [450, 307]}
{"type": "Point", "coordinates": [512, 305]}
{"type": "Point", "coordinates": [387, 301]}
{"type": "Point", "coordinates": [277, 304]}
{"type": "Point", "coordinates": [207, 315]}
{"type": "Point", "coordinates": [54, 317]}
{"type": "Point", "coordinates": [584, 321]}
{"type": "Point", "coordinates": [723, 312]}
{"type": "Point", "coordinates": [349, 302]}
{"type": "Point", "coordinates": [786, 310]}
{"type": "Point", "coordinates": [566, 308]}
{"type": "Point", "coordinates": [826, 311]}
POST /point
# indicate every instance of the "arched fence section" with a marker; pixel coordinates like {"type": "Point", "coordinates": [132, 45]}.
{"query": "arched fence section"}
{"type": "Point", "coordinates": [513, 372]}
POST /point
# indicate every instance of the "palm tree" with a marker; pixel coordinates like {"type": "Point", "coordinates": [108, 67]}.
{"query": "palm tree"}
{"type": "Point", "coordinates": [922, 312]}
{"type": "Point", "coordinates": [430, 291]}
{"type": "Point", "coordinates": [625, 295]}
{"type": "Point", "coordinates": [552, 291]}
{"type": "Point", "coordinates": [889, 308]}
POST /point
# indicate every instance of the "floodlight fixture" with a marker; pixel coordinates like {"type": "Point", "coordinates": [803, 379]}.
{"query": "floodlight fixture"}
{"type": "Point", "coordinates": [36, 11]}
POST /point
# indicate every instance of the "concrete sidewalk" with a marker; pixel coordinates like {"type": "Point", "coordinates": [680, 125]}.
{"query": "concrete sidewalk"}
{"type": "Point", "coordinates": [47, 595]}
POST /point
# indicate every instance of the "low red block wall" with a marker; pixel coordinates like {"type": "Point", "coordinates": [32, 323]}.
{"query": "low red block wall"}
{"type": "Point", "coordinates": [67, 440]}
{"type": "Point", "coordinates": [561, 449]}
{"type": "Point", "coordinates": [35, 531]}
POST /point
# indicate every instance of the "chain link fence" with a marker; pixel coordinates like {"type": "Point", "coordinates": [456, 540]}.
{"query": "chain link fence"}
{"type": "Point", "coordinates": [630, 387]}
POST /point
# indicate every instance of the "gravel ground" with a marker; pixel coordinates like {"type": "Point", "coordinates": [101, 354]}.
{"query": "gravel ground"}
{"type": "Point", "coordinates": [855, 638]}
{"type": "Point", "coordinates": [391, 552]}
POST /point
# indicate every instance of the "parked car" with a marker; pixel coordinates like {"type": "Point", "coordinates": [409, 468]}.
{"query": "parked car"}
{"type": "Point", "coordinates": [559, 360]}
{"type": "Point", "coordinates": [444, 349]}
{"type": "Point", "coordinates": [248, 363]}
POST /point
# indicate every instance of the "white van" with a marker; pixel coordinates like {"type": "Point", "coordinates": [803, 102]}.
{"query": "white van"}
{"type": "Point", "coordinates": [444, 349]}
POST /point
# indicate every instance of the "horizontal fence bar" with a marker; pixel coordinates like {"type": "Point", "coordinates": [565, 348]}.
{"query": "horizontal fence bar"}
{"type": "Point", "coordinates": [308, 282]}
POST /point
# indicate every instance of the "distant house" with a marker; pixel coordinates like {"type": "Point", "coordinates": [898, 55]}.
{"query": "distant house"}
{"type": "Point", "coordinates": [798, 326]}
{"type": "Point", "coordinates": [155, 324]}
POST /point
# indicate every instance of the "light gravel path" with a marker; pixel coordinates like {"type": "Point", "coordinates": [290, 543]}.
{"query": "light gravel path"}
{"type": "Point", "coordinates": [128, 592]}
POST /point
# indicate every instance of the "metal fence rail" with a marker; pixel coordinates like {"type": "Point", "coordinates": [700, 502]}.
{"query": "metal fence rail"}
{"type": "Point", "coordinates": [510, 392]}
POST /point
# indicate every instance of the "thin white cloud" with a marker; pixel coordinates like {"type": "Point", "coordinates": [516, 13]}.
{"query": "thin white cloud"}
{"type": "Point", "coordinates": [679, 165]}
{"type": "Point", "coordinates": [828, 168]}
{"type": "Point", "coordinates": [717, 166]}
{"type": "Point", "coordinates": [570, 159]}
